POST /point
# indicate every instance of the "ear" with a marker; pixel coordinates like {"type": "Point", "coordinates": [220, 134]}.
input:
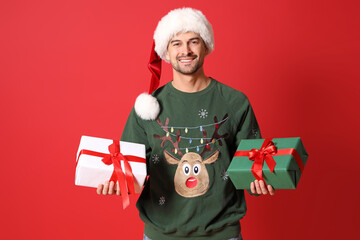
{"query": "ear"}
{"type": "Point", "coordinates": [167, 56]}
{"type": "Point", "coordinates": [212, 158]}
{"type": "Point", "coordinates": [206, 50]}
{"type": "Point", "coordinates": [170, 158]}
{"type": "Point", "coordinates": [206, 47]}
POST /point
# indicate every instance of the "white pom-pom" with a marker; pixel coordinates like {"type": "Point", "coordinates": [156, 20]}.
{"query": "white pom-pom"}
{"type": "Point", "coordinates": [147, 107]}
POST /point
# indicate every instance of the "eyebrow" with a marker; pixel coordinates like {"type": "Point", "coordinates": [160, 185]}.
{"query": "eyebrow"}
{"type": "Point", "coordinates": [177, 40]}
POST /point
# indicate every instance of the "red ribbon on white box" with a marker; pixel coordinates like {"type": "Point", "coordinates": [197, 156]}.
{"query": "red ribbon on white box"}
{"type": "Point", "coordinates": [126, 182]}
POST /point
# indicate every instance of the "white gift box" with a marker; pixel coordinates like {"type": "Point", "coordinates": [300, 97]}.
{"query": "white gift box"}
{"type": "Point", "coordinates": [91, 171]}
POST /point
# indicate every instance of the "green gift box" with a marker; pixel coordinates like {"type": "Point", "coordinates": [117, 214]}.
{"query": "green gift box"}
{"type": "Point", "coordinates": [287, 154]}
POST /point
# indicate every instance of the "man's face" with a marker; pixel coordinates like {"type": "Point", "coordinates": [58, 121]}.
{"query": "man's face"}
{"type": "Point", "coordinates": [186, 52]}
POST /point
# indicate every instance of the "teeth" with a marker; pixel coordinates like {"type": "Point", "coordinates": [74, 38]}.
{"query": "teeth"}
{"type": "Point", "coordinates": [185, 60]}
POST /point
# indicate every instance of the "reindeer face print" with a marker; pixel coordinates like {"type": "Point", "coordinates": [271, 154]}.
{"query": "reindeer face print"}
{"type": "Point", "coordinates": [191, 176]}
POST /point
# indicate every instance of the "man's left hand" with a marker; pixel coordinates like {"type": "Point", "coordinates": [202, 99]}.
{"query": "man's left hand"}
{"type": "Point", "coordinates": [258, 187]}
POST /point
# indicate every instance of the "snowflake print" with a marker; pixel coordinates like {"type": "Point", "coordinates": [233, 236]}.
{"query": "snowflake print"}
{"type": "Point", "coordinates": [224, 175]}
{"type": "Point", "coordinates": [254, 132]}
{"type": "Point", "coordinates": [203, 113]}
{"type": "Point", "coordinates": [155, 158]}
{"type": "Point", "coordinates": [162, 200]}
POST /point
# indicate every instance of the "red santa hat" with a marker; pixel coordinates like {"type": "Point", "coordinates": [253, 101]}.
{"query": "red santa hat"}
{"type": "Point", "coordinates": [176, 21]}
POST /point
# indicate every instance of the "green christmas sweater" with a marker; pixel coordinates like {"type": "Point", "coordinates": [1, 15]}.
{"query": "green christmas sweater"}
{"type": "Point", "coordinates": [189, 147]}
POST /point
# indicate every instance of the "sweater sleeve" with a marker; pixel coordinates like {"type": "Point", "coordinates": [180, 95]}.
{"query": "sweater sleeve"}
{"type": "Point", "coordinates": [134, 132]}
{"type": "Point", "coordinates": [248, 127]}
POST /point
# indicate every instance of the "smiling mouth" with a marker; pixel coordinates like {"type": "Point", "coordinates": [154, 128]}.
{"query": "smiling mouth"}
{"type": "Point", "coordinates": [186, 59]}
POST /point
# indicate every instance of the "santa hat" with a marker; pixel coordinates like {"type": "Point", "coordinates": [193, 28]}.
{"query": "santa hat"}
{"type": "Point", "coordinates": [176, 21]}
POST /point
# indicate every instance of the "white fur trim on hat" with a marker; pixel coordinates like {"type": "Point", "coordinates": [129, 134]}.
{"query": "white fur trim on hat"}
{"type": "Point", "coordinates": [180, 21]}
{"type": "Point", "coordinates": [147, 107]}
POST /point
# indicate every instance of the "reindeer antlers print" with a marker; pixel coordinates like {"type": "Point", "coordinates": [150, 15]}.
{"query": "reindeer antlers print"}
{"type": "Point", "coordinates": [215, 137]}
{"type": "Point", "coordinates": [205, 141]}
{"type": "Point", "coordinates": [167, 137]}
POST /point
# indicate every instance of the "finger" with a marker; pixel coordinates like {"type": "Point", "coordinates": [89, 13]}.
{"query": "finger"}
{"type": "Point", "coordinates": [252, 187]}
{"type": "Point", "coordinates": [117, 189]}
{"type": "Point", "coordinates": [257, 185]}
{"type": "Point", "coordinates": [263, 188]}
{"type": "Point", "coordinates": [271, 190]}
{"type": "Point", "coordinates": [111, 187]}
{"type": "Point", "coordinates": [106, 188]}
{"type": "Point", "coordinates": [99, 189]}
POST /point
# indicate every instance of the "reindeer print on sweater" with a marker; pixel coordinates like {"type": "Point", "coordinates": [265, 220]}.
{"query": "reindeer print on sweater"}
{"type": "Point", "coordinates": [191, 177]}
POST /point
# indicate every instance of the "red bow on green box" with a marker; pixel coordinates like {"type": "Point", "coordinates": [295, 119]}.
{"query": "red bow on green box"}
{"type": "Point", "coordinates": [266, 153]}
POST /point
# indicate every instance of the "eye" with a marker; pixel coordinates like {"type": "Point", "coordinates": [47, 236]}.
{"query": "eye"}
{"type": "Point", "coordinates": [196, 169]}
{"type": "Point", "coordinates": [186, 168]}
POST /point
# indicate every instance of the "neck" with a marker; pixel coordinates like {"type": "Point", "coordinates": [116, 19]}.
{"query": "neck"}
{"type": "Point", "coordinates": [190, 83]}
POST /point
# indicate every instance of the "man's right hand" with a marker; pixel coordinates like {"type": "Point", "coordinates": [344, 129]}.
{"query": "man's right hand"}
{"type": "Point", "coordinates": [108, 188]}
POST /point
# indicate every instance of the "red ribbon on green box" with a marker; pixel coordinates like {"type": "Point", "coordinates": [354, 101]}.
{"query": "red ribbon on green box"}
{"type": "Point", "coordinates": [266, 153]}
{"type": "Point", "coordinates": [114, 157]}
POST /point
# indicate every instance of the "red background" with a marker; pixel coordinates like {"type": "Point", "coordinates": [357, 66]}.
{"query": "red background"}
{"type": "Point", "coordinates": [69, 68]}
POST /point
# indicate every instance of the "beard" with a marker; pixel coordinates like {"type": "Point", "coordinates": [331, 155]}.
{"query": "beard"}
{"type": "Point", "coordinates": [187, 70]}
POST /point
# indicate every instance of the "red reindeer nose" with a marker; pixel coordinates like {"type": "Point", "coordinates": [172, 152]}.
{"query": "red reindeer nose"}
{"type": "Point", "coordinates": [191, 182]}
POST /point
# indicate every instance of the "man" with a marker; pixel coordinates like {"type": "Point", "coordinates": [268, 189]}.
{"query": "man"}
{"type": "Point", "coordinates": [190, 141]}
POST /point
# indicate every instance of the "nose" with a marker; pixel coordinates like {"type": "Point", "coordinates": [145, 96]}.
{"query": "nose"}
{"type": "Point", "coordinates": [187, 50]}
{"type": "Point", "coordinates": [191, 182]}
